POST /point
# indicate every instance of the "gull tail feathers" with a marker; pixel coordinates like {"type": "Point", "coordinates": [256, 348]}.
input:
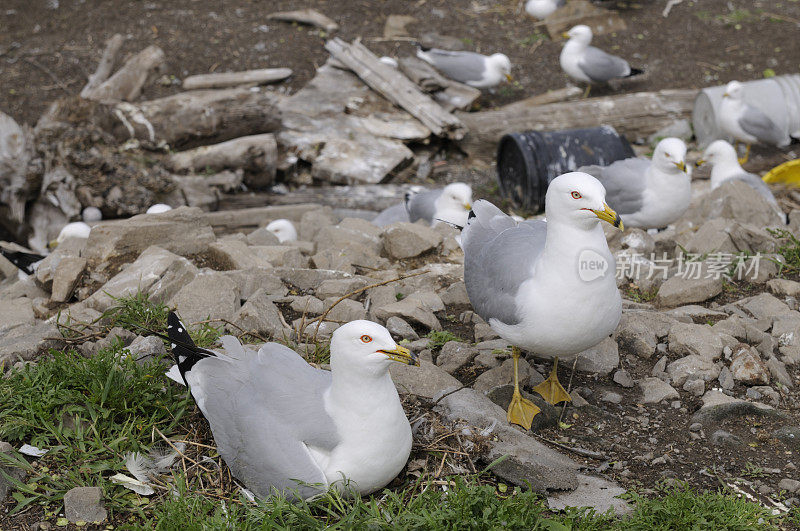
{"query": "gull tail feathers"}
{"type": "Point", "coordinates": [25, 262]}
{"type": "Point", "coordinates": [185, 352]}
{"type": "Point", "coordinates": [635, 72]}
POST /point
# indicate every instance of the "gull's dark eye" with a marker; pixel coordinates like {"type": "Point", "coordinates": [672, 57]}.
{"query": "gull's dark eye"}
{"type": "Point", "coordinates": [576, 195]}
{"type": "Point", "coordinates": [668, 155]}
{"type": "Point", "coordinates": [365, 339]}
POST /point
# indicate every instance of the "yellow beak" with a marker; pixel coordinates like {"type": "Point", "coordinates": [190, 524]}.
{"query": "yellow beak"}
{"type": "Point", "coordinates": [52, 244]}
{"type": "Point", "coordinates": [681, 165]}
{"type": "Point", "coordinates": [467, 206]}
{"type": "Point", "coordinates": [608, 214]}
{"type": "Point", "coordinates": [726, 95]}
{"type": "Point", "coordinates": [565, 35]}
{"type": "Point", "coordinates": [402, 355]}
{"type": "Point", "coordinates": [699, 163]}
{"type": "Point", "coordinates": [509, 78]}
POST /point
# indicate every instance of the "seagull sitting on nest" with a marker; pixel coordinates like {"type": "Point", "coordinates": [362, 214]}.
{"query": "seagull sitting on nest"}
{"type": "Point", "coordinates": [746, 123]}
{"type": "Point", "coordinates": [473, 69]}
{"type": "Point", "coordinates": [588, 64]}
{"type": "Point", "coordinates": [283, 229]}
{"type": "Point", "coordinates": [546, 286]}
{"type": "Point", "coordinates": [725, 167]}
{"type": "Point", "coordinates": [649, 194]}
{"type": "Point", "coordinates": [285, 427]}
{"type": "Point", "coordinates": [450, 204]}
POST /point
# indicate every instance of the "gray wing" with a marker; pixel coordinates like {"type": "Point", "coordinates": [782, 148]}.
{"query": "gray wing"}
{"type": "Point", "coordinates": [461, 66]}
{"type": "Point", "coordinates": [498, 257]}
{"type": "Point", "coordinates": [422, 205]}
{"type": "Point", "coordinates": [600, 66]}
{"type": "Point", "coordinates": [393, 214]}
{"type": "Point", "coordinates": [561, 3]}
{"type": "Point", "coordinates": [264, 409]}
{"type": "Point", "coordinates": [624, 181]}
{"type": "Point", "coordinates": [758, 124]}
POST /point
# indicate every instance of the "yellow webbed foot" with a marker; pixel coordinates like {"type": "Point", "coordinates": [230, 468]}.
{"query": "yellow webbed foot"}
{"type": "Point", "coordinates": [521, 411]}
{"type": "Point", "coordinates": [551, 389]}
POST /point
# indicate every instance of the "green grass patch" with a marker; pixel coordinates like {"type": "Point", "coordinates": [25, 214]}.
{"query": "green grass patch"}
{"type": "Point", "coordinates": [437, 339]}
{"type": "Point", "coordinates": [789, 249]}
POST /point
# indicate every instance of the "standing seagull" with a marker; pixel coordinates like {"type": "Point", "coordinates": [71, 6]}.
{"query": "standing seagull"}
{"type": "Point", "coordinates": [746, 123]}
{"type": "Point", "coordinates": [546, 286]}
{"type": "Point", "coordinates": [450, 204]}
{"type": "Point", "coordinates": [725, 167]}
{"type": "Point", "coordinates": [588, 64]}
{"type": "Point", "coordinates": [470, 68]}
{"type": "Point", "coordinates": [649, 194]}
{"type": "Point", "coordinates": [283, 426]}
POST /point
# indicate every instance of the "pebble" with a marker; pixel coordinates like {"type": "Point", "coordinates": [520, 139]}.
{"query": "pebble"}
{"type": "Point", "coordinates": [623, 378]}
{"type": "Point", "coordinates": [611, 396]}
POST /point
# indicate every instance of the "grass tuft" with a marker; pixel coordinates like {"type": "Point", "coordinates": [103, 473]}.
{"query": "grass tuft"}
{"type": "Point", "coordinates": [437, 339]}
{"type": "Point", "coordinates": [789, 248]}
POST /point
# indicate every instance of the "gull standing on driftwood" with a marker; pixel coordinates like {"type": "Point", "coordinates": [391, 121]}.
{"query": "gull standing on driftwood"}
{"type": "Point", "coordinates": [746, 123]}
{"type": "Point", "coordinates": [588, 64]}
{"type": "Point", "coordinates": [649, 194]}
{"type": "Point", "coordinates": [450, 204]}
{"type": "Point", "coordinates": [473, 69]}
{"type": "Point", "coordinates": [545, 286]}
{"type": "Point", "coordinates": [285, 427]}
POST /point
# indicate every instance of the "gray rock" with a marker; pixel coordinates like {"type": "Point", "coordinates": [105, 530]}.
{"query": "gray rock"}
{"type": "Point", "coordinates": [313, 331]}
{"type": "Point", "coordinates": [611, 397]}
{"type": "Point", "coordinates": [339, 287]}
{"type": "Point", "coordinates": [84, 504]}
{"type": "Point", "coordinates": [693, 311]}
{"type": "Point", "coordinates": [725, 438]}
{"type": "Point", "coordinates": [547, 416]}
{"type": "Point", "coordinates": [26, 342]}
{"type": "Point", "coordinates": [307, 304]}
{"type": "Point", "coordinates": [697, 387]}
{"type": "Point", "coordinates": [789, 485]}
{"type": "Point", "coordinates": [736, 200]}
{"type": "Point", "coordinates": [426, 381]}
{"type": "Point", "coordinates": [345, 311]}
{"type": "Point", "coordinates": [528, 461]}
{"type": "Point", "coordinates": [15, 313]}
{"type": "Point", "coordinates": [145, 349]}
{"type": "Point", "coordinates": [313, 221]}
{"type": "Point", "coordinates": [66, 277]}
{"type": "Point", "coordinates": [764, 306]}
{"type": "Point", "coordinates": [398, 327]}
{"type": "Point", "coordinates": [786, 329]}
{"type": "Point", "coordinates": [758, 269]}
{"type": "Point", "coordinates": [307, 279]}
{"type": "Point", "coordinates": [502, 375]}
{"type": "Point", "coordinates": [455, 355]}
{"type": "Point", "coordinates": [660, 367]}
{"type": "Point", "coordinates": [349, 256]}
{"type": "Point", "coordinates": [623, 378]}
{"type": "Point", "coordinates": [692, 366]}
{"type": "Point", "coordinates": [599, 359]}
{"type": "Point", "coordinates": [600, 494]}
{"type": "Point", "coordinates": [712, 237]}
{"type": "Point", "coordinates": [410, 310]}
{"type": "Point", "coordinates": [260, 315]}
{"type": "Point", "coordinates": [455, 294]}
{"type": "Point", "coordinates": [183, 230]}
{"type": "Point", "coordinates": [280, 255]}
{"type": "Point", "coordinates": [759, 392]}
{"type": "Point", "coordinates": [349, 232]}
{"type": "Point", "coordinates": [686, 339]}
{"type": "Point", "coordinates": [236, 254]}
{"type": "Point", "coordinates": [678, 290]}
{"type": "Point", "coordinates": [747, 367]}
{"type": "Point", "coordinates": [428, 299]}
{"type": "Point", "coordinates": [726, 379]}
{"type": "Point", "coordinates": [696, 427]}
{"type": "Point", "coordinates": [718, 406]}
{"type": "Point", "coordinates": [210, 295]}
{"type": "Point", "coordinates": [149, 274]}
{"type": "Point", "coordinates": [654, 391]}
{"type": "Point", "coordinates": [248, 281]}
{"type": "Point", "coordinates": [778, 371]}
{"type": "Point", "coordinates": [262, 236]}
{"type": "Point", "coordinates": [70, 248]}
{"type": "Point", "coordinates": [638, 332]}
{"type": "Point", "coordinates": [783, 287]}
{"type": "Point", "coordinates": [484, 332]}
{"type": "Point", "coordinates": [20, 287]}
{"type": "Point", "coordinates": [407, 240]}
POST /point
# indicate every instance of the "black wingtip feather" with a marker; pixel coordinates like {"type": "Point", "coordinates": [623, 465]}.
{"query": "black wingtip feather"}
{"type": "Point", "coordinates": [636, 72]}
{"type": "Point", "coordinates": [185, 352]}
{"type": "Point", "coordinates": [24, 261]}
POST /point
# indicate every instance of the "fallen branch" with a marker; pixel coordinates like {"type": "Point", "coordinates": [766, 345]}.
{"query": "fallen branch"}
{"type": "Point", "coordinates": [232, 79]}
{"type": "Point", "coordinates": [311, 17]}
{"type": "Point", "coordinates": [591, 454]}
{"type": "Point", "coordinates": [105, 65]}
{"type": "Point", "coordinates": [127, 83]}
{"type": "Point", "coordinates": [396, 87]}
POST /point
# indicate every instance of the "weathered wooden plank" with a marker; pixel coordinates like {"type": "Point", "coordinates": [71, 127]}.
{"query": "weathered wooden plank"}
{"type": "Point", "coordinates": [306, 16]}
{"type": "Point", "coordinates": [126, 84]}
{"type": "Point", "coordinates": [249, 219]}
{"type": "Point", "coordinates": [635, 116]}
{"type": "Point", "coordinates": [105, 65]}
{"type": "Point", "coordinates": [396, 87]}
{"type": "Point", "coordinates": [233, 79]}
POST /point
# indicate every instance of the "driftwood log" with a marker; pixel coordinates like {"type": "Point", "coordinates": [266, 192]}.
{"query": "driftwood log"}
{"type": "Point", "coordinates": [374, 197]}
{"type": "Point", "coordinates": [126, 84]}
{"type": "Point", "coordinates": [635, 116]}
{"type": "Point", "coordinates": [311, 17]}
{"type": "Point", "coordinates": [233, 79]}
{"type": "Point", "coordinates": [449, 94]}
{"type": "Point", "coordinates": [198, 117]}
{"type": "Point", "coordinates": [256, 154]}
{"type": "Point", "coordinates": [397, 88]}
{"type": "Point", "coordinates": [105, 66]}
{"type": "Point", "coordinates": [249, 219]}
